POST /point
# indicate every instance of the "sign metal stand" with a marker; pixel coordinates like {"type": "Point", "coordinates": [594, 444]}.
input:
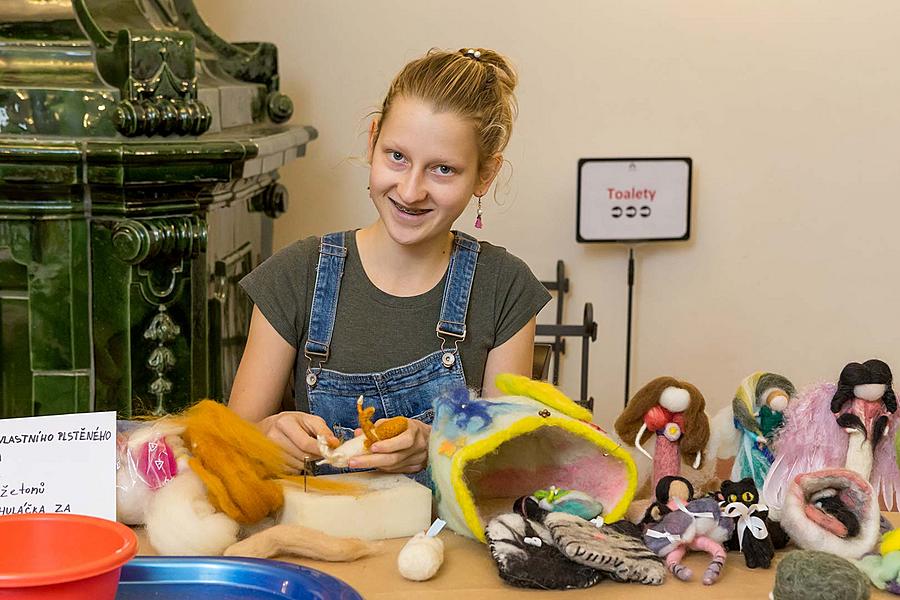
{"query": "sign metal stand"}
{"type": "Point", "coordinates": [632, 200]}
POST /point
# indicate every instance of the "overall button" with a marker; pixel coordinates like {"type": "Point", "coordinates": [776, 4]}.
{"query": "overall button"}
{"type": "Point", "coordinates": [448, 359]}
{"type": "Point", "coordinates": [311, 379]}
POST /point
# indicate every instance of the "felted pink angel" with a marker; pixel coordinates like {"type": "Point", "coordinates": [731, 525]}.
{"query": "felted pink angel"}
{"type": "Point", "coordinates": [843, 425]}
{"type": "Point", "coordinates": [674, 411]}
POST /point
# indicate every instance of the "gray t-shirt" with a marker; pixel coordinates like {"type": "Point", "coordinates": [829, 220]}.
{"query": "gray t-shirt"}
{"type": "Point", "coordinates": [375, 331]}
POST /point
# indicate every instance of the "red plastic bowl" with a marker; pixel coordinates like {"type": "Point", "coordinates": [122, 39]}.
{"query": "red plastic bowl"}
{"type": "Point", "coordinates": [62, 557]}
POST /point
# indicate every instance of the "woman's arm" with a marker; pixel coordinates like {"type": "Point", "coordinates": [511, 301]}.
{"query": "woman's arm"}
{"type": "Point", "coordinates": [515, 355]}
{"type": "Point", "coordinates": [258, 388]}
{"type": "Point", "coordinates": [263, 373]}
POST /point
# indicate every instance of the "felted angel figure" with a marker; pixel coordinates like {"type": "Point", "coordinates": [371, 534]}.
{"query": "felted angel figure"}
{"type": "Point", "coordinates": [747, 428]}
{"type": "Point", "coordinates": [688, 525]}
{"type": "Point", "coordinates": [844, 425]}
{"type": "Point", "coordinates": [673, 410]}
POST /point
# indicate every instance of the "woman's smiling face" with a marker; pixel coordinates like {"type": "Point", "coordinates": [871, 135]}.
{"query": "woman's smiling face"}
{"type": "Point", "coordinates": [424, 170]}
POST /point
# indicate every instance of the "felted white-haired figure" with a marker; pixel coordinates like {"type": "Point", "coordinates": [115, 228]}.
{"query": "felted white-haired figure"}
{"type": "Point", "coordinates": [834, 426]}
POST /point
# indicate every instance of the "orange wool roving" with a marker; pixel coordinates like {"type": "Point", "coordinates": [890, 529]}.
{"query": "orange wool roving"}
{"type": "Point", "coordinates": [239, 465]}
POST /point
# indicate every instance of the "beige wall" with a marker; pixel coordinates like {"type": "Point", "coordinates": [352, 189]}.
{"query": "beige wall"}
{"type": "Point", "coordinates": [789, 109]}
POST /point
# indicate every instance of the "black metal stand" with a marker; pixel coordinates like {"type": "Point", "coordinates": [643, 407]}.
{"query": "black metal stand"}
{"type": "Point", "coordinates": [561, 286]}
{"type": "Point", "coordinates": [587, 331]}
{"type": "Point", "coordinates": [628, 334]}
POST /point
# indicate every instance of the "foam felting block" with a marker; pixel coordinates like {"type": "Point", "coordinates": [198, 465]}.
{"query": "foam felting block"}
{"type": "Point", "coordinates": [392, 506]}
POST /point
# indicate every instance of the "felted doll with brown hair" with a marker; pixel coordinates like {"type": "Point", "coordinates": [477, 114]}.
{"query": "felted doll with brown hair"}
{"type": "Point", "coordinates": [673, 411]}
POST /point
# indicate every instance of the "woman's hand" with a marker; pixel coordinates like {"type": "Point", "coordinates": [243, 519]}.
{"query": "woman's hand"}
{"type": "Point", "coordinates": [296, 432]}
{"type": "Point", "coordinates": [405, 453]}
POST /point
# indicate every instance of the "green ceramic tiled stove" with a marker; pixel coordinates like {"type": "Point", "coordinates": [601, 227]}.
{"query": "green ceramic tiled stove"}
{"type": "Point", "coordinates": [139, 157]}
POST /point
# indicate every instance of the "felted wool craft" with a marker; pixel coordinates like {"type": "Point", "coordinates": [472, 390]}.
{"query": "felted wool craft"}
{"type": "Point", "coordinates": [673, 411]}
{"type": "Point", "coordinates": [568, 501]}
{"type": "Point", "coordinates": [526, 556]}
{"type": "Point", "coordinates": [421, 557]}
{"type": "Point", "coordinates": [229, 477]}
{"type": "Point", "coordinates": [297, 540]}
{"type": "Point", "coordinates": [812, 575]}
{"type": "Point", "coordinates": [340, 457]}
{"type": "Point", "coordinates": [836, 426]}
{"type": "Point", "coordinates": [622, 557]}
{"type": "Point", "coordinates": [883, 569]}
{"type": "Point", "coordinates": [697, 525]}
{"type": "Point", "coordinates": [485, 453]}
{"type": "Point", "coordinates": [747, 428]}
{"type": "Point", "coordinates": [740, 501]}
{"type": "Point", "coordinates": [833, 511]}
{"type": "Point", "coordinates": [668, 489]}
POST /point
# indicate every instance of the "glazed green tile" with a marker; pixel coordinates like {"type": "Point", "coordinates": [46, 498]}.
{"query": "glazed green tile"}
{"type": "Point", "coordinates": [50, 294]}
{"type": "Point", "coordinates": [54, 394]}
{"type": "Point", "coordinates": [80, 294]}
{"type": "Point", "coordinates": [83, 393]}
{"type": "Point", "coordinates": [110, 303]}
{"type": "Point", "coordinates": [15, 368]}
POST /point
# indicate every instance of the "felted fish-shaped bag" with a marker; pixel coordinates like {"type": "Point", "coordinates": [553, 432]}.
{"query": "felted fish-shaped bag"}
{"type": "Point", "coordinates": [483, 454]}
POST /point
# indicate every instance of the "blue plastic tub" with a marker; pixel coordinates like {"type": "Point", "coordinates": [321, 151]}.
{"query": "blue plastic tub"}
{"type": "Point", "coordinates": [219, 578]}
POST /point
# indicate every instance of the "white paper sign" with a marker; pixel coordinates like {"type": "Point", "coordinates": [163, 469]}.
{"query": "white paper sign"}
{"type": "Point", "coordinates": [634, 199]}
{"type": "Point", "coordinates": [59, 464]}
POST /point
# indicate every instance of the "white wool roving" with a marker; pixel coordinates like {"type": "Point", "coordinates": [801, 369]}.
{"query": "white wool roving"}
{"type": "Point", "coordinates": [181, 521]}
{"type": "Point", "coordinates": [132, 497]}
{"type": "Point", "coordinates": [421, 557]}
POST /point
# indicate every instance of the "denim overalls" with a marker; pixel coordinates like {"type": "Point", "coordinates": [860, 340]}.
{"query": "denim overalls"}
{"type": "Point", "coordinates": [408, 390]}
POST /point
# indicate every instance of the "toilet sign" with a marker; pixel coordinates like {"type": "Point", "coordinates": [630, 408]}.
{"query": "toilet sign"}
{"type": "Point", "coordinates": [633, 199]}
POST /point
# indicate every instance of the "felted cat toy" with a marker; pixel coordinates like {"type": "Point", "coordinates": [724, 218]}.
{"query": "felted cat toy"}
{"type": "Point", "coordinates": [689, 524]}
{"type": "Point", "coordinates": [673, 410]}
{"type": "Point", "coordinates": [739, 500]}
{"type": "Point", "coordinates": [836, 426]}
{"type": "Point", "coordinates": [747, 428]}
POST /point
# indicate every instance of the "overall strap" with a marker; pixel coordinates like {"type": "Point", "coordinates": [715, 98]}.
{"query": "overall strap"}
{"type": "Point", "coordinates": [458, 289]}
{"type": "Point", "coordinates": [332, 254]}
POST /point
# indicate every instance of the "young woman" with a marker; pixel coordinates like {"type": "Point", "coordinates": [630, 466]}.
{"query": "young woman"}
{"type": "Point", "coordinates": [400, 309]}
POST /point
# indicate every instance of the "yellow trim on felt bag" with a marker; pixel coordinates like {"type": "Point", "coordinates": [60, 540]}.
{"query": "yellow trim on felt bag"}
{"type": "Point", "coordinates": [478, 449]}
{"type": "Point", "coordinates": [543, 392]}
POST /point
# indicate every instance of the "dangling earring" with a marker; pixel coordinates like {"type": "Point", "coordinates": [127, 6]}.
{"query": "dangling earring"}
{"type": "Point", "coordinates": [478, 224]}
